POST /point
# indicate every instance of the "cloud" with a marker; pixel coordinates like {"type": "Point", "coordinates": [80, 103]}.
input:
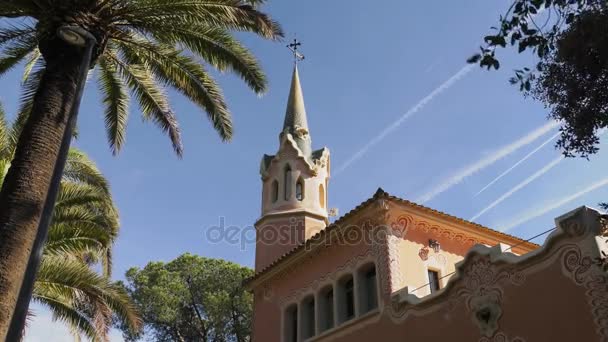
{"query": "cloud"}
{"type": "Point", "coordinates": [520, 186]}
{"type": "Point", "coordinates": [415, 109]}
{"type": "Point", "coordinates": [554, 205]}
{"type": "Point", "coordinates": [517, 164]}
{"type": "Point", "coordinates": [467, 171]}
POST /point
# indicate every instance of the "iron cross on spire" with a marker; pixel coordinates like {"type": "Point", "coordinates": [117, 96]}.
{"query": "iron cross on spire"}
{"type": "Point", "coordinates": [293, 47]}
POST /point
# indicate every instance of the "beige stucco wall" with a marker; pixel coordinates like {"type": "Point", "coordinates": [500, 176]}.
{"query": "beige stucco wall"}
{"type": "Point", "coordinates": [414, 270]}
{"type": "Point", "coordinates": [313, 175]}
{"type": "Point", "coordinates": [288, 221]}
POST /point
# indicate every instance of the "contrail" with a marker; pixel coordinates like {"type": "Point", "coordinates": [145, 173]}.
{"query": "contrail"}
{"type": "Point", "coordinates": [517, 164]}
{"type": "Point", "coordinates": [415, 109]}
{"type": "Point", "coordinates": [555, 205]}
{"type": "Point", "coordinates": [481, 164]}
{"type": "Point", "coordinates": [519, 186]}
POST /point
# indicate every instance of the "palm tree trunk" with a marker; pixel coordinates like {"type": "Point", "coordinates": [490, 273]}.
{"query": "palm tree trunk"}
{"type": "Point", "coordinates": [27, 182]}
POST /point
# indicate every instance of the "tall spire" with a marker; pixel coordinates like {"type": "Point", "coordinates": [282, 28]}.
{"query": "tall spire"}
{"type": "Point", "coordinates": [295, 116]}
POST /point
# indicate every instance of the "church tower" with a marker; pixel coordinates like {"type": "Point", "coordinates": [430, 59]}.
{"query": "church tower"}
{"type": "Point", "coordinates": [294, 186]}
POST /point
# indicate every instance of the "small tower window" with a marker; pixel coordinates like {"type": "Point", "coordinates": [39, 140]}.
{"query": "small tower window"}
{"type": "Point", "coordinates": [287, 182]}
{"type": "Point", "coordinates": [321, 196]}
{"type": "Point", "coordinates": [300, 189]}
{"type": "Point", "coordinates": [275, 191]}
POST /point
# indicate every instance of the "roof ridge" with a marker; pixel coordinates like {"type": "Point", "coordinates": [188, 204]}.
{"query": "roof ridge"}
{"type": "Point", "coordinates": [380, 193]}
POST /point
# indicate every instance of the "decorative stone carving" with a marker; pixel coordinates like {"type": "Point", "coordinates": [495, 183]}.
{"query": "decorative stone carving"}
{"type": "Point", "coordinates": [406, 222]}
{"type": "Point", "coordinates": [501, 337]}
{"type": "Point", "coordinates": [483, 292]}
{"type": "Point", "coordinates": [267, 292]}
{"type": "Point", "coordinates": [424, 253]}
{"type": "Point", "coordinates": [486, 312]}
{"type": "Point", "coordinates": [584, 272]}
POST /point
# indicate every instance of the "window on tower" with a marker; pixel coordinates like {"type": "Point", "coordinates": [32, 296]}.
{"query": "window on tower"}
{"type": "Point", "coordinates": [287, 182]}
{"type": "Point", "coordinates": [321, 196]}
{"type": "Point", "coordinates": [300, 189]}
{"type": "Point", "coordinates": [275, 191]}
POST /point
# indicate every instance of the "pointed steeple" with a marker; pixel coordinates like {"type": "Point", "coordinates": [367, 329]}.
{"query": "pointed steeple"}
{"type": "Point", "coordinates": [295, 122]}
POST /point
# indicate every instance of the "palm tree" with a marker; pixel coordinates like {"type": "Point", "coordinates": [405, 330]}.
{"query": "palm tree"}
{"type": "Point", "coordinates": [83, 230]}
{"type": "Point", "coordinates": [142, 47]}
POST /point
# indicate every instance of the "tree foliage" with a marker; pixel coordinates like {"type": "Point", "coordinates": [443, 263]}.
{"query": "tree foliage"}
{"type": "Point", "coordinates": [143, 47]}
{"type": "Point", "coordinates": [192, 299]}
{"type": "Point", "coordinates": [83, 229]}
{"type": "Point", "coordinates": [571, 75]}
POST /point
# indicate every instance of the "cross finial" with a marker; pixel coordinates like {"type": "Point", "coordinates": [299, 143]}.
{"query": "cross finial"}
{"type": "Point", "coordinates": [293, 47]}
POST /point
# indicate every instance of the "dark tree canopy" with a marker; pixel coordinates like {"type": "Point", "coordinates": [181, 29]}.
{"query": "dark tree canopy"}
{"type": "Point", "coordinates": [192, 299]}
{"type": "Point", "coordinates": [571, 76]}
{"type": "Point", "coordinates": [573, 83]}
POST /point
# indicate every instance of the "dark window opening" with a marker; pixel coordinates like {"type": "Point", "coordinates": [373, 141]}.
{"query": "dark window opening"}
{"type": "Point", "coordinates": [350, 299]}
{"type": "Point", "coordinates": [275, 191]}
{"type": "Point", "coordinates": [371, 295]}
{"type": "Point", "coordinates": [308, 319]}
{"type": "Point", "coordinates": [327, 309]}
{"type": "Point", "coordinates": [291, 324]}
{"type": "Point", "coordinates": [287, 182]}
{"type": "Point", "coordinates": [300, 190]}
{"type": "Point", "coordinates": [434, 281]}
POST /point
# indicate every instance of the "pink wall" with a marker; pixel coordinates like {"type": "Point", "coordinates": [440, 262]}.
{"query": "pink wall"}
{"type": "Point", "coordinates": [555, 293]}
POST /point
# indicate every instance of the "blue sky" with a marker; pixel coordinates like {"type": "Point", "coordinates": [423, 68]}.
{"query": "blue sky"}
{"type": "Point", "coordinates": [367, 64]}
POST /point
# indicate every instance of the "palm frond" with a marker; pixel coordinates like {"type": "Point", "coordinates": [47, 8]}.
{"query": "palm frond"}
{"type": "Point", "coordinates": [152, 100]}
{"type": "Point", "coordinates": [227, 14]}
{"type": "Point", "coordinates": [17, 50]}
{"type": "Point", "coordinates": [12, 32]}
{"type": "Point", "coordinates": [19, 8]}
{"type": "Point", "coordinates": [78, 194]}
{"type": "Point", "coordinates": [66, 313]}
{"type": "Point", "coordinates": [116, 102]}
{"type": "Point", "coordinates": [68, 275]}
{"type": "Point", "coordinates": [28, 90]}
{"type": "Point", "coordinates": [32, 61]}
{"type": "Point", "coordinates": [5, 151]}
{"type": "Point", "coordinates": [80, 168]}
{"type": "Point", "coordinates": [217, 47]}
{"type": "Point", "coordinates": [82, 217]}
{"type": "Point", "coordinates": [185, 75]}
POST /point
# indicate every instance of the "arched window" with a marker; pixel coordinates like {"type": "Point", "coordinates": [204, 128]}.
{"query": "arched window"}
{"type": "Point", "coordinates": [346, 299]}
{"type": "Point", "coordinates": [287, 182]}
{"type": "Point", "coordinates": [321, 195]}
{"type": "Point", "coordinates": [326, 308]}
{"type": "Point", "coordinates": [300, 189]}
{"type": "Point", "coordinates": [291, 324]}
{"type": "Point", "coordinates": [368, 289]}
{"type": "Point", "coordinates": [275, 191]}
{"type": "Point", "coordinates": [308, 317]}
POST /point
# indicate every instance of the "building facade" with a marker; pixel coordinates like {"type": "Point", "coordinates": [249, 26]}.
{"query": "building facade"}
{"type": "Point", "coordinates": [396, 270]}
